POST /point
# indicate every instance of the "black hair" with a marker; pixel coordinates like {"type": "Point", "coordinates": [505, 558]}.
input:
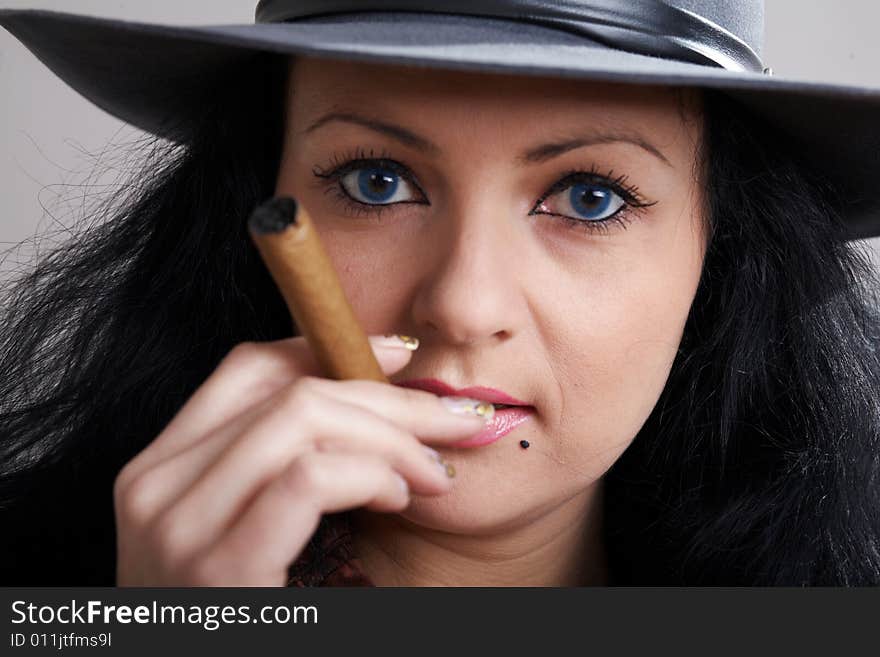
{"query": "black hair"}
{"type": "Point", "coordinates": [758, 465]}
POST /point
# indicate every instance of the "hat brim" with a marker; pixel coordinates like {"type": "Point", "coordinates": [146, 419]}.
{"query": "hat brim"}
{"type": "Point", "coordinates": [157, 77]}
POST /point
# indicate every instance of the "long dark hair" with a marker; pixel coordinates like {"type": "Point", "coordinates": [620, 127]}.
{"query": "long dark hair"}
{"type": "Point", "coordinates": [757, 466]}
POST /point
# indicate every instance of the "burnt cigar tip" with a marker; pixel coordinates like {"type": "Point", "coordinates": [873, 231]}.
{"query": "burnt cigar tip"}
{"type": "Point", "coordinates": [273, 216]}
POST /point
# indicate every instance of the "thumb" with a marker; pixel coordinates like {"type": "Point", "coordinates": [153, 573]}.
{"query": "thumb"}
{"type": "Point", "coordinates": [393, 352]}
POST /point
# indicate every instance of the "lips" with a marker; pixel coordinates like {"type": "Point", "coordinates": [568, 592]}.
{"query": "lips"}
{"type": "Point", "coordinates": [510, 412]}
{"type": "Point", "coordinates": [500, 425]}
{"type": "Point", "coordinates": [496, 397]}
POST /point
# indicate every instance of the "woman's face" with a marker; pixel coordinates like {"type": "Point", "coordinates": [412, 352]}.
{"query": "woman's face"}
{"type": "Point", "coordinates": [496, 219]}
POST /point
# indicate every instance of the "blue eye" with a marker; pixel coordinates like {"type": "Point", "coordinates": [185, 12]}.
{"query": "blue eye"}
{"type": "Point", "coordinates": [582, 199]}
{"type": "Point", "coordinates": [375, 185]}
{"type": "Point", "coordinates": [587, 200]}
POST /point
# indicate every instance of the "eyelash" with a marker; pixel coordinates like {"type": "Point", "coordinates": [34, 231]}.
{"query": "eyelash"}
{"type": "Point", "coordinates": [340, 165]}
{"type": "Point", "coordinates": [343, 164]}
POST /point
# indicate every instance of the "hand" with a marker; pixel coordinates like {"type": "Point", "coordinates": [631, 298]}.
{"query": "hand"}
{"type": "Point", "coordinates": [236, 484]}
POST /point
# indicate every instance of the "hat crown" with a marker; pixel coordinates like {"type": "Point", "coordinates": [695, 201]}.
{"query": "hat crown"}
{"type": "Point", "coordinates": [742, 18]}
{"type": "Point", "coordinates": [709, 32]}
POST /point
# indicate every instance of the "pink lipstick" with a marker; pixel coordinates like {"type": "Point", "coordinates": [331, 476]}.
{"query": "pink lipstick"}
{"type": "Point", "coordinates": [502, 423]}
{"type": "Point", "coordinates": [509, 411]}
{"type": "Point", "coordinates": [474, 392]}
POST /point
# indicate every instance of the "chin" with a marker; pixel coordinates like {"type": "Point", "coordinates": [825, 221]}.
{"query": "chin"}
{"type": "Point", "coordinates": [457, 515]}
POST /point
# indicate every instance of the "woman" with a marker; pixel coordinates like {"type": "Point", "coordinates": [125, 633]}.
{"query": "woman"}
{"type": "Point", "coordinates": [655, 272]}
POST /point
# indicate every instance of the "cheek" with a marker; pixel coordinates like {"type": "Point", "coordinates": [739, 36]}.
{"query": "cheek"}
{"type": "Point", "coordinates": [619, 348]}
{"type": "Point", "coordinates": [371, 267]}
{"type": "Point", "coordinates": [374, 272]}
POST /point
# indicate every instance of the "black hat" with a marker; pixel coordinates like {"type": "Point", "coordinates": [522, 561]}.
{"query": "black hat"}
{"type": "Point", "coordinates": [157, 77]}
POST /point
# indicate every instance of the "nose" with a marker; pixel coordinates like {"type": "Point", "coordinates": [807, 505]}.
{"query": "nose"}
{"type": "Point", "coordinates": [470, 293]}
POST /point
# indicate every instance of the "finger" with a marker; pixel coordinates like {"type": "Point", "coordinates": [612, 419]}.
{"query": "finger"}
{"type": "Point", "coordinates": [170, 479]}
{"type": "Point", "coordinates": [433, 419]}
{"type": "Point", "coordinates": [416, 411]}
{"type": "Point", "coordinates": [250, 373]}
{"type": "Point", "coordinates": [278, 523]}
{"type": "Point", "coordinates": [153, 489]}
{"type": "Point", "coordinates": [301, 421]}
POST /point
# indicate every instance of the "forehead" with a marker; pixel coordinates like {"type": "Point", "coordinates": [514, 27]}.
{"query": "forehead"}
{"type": "Point", "coordinates": [318, 85]}
{"type": "Point", "coordinates": [489, 118]}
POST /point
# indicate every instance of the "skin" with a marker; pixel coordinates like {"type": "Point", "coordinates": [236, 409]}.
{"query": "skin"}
{"type": "Point", "coordinates": [582, 325]}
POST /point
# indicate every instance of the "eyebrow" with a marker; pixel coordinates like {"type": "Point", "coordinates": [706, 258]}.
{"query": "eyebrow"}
{"type": "Point", "coordinates": [534, 155]}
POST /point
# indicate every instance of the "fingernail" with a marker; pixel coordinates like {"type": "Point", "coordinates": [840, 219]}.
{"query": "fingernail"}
{"type": "Point", "coordinates": [404, 486]}
{"type": "Point", "coordinates": [447, 468]}
{"type": "Point", "coordinates": [467, 406]}
{"type": "Point", "coordinates": [397, 341]}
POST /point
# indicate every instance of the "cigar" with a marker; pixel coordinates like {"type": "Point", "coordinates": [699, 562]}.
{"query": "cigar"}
{"type": "Point", "coordinates": [288, 243]}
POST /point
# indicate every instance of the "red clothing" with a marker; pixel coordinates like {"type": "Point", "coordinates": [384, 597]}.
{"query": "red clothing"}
{"type": "Point", "coordinates": [329, 559]}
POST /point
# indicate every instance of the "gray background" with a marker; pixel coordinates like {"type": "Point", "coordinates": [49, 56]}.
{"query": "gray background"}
{"type": "Point", "coordinates": [56, 149]}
